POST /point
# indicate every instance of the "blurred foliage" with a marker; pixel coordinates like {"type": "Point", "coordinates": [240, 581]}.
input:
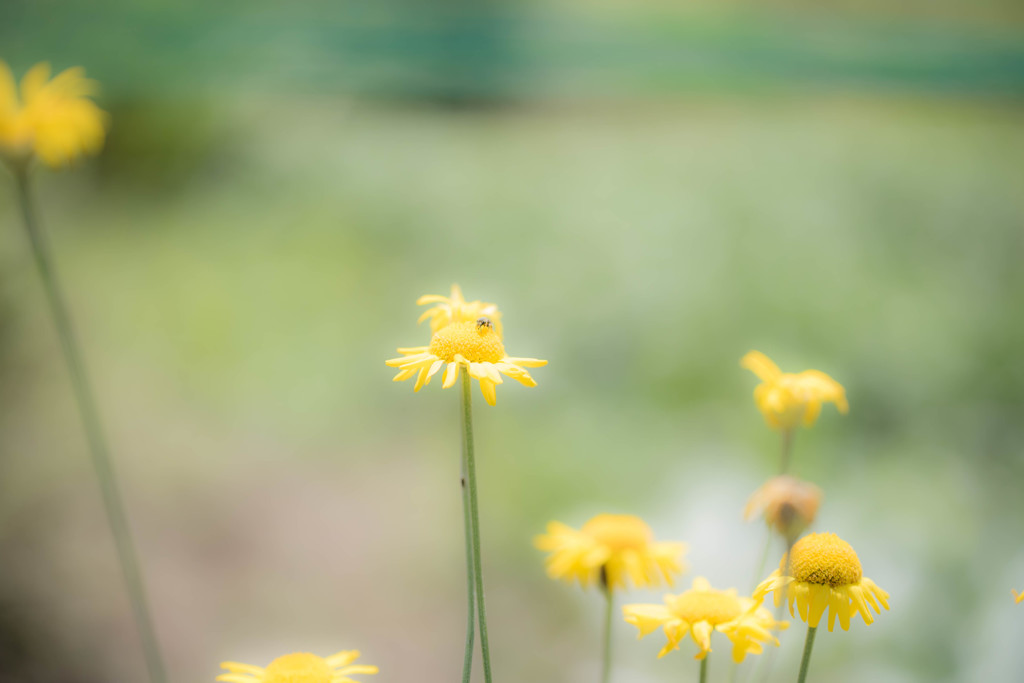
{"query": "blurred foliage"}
{"type": "Point", "coordinates": [648, 191]}
{"type": "Point", "coordinates": [458, 51]}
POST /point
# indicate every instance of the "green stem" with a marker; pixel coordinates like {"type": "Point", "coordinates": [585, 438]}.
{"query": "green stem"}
{"type": "Point", "coordinates": [606, 658]}
{"type": "Point", "coordinates": [474, 509]}
{"type": "Point", "coordinates": [467, 662]}
{"type": "Point", "coordinates": [759, 576]}
{"type": "Point", "coordinates": [98, 449]}
{"type": "Point", "coordinates": [766, 662]}
{"type": "Point", "coordinates": [704, 670]}
{"type": "Point", "coordinates": [787, 449]}
{"type": "Point", "coordinates": [806, 659]}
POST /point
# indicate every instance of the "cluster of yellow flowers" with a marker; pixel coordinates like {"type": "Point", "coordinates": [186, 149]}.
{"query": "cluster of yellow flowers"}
{"type": "Point", "coordinates": [818, 572]}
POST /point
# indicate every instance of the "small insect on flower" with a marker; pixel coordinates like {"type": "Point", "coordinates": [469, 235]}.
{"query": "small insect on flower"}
{"type": "Point", "coordinates": [701, 611]}
{"type": "Point", "coordinates": [824, 573]}
{"type": "Point", "coordinates": [786, 399]}
{"type": "Point", "coordinates": [455, 309]}
{"type": "Point", "coordinates": [610, 549]}
{"type": "Point", "coordinates": [474, 344]}
{"type": "Point", "coordinates": [52, 119]}
{"type": "Point", "coordinates": [300, 667]}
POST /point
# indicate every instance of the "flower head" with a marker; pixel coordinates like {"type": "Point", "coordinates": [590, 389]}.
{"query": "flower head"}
{"type": "Point", "coordinates": [476, 346]}
{"type": "Point", "coordinates": [702, 610]}
{"type": "Point", "coordinates": [789, 505]}
{"type": "Point", "coordinates": [610, 549]}
{"type": "Point", "coordinates": [455, 309]}
{"type": "Point", "coordinates": [1018, 597]}
{"type": "Point", "coordinates": [52, 119]}
{"type": "Point", "coordinates": [300, 667]}
{"type": "Point", "coordinates": [786, 399]}
{"type": "Point", "coordinates": [824, 573]}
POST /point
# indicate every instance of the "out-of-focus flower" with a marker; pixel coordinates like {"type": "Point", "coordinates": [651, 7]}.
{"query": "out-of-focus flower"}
{"type": "Point", "coordinates": [610, 549]}
{"type": "Point", "coordinates": [53, 120]}
{"type": "Point", "coordinates": [824, 573]}
{"type": "Point", "coordinates": [789, 505]}
{"type": "Point", "coordinates": [702, 610]}
{"type": "Point", "coordinates": [300, 667]}
{"type": "Point", "coordinates": [1018, 597]}
{"type": "Point", "coordinates": [475, 345]}
{"type": "Point", "coordinates": [455, 309]}
{"type": "Point", "coordinates": [786, 399]}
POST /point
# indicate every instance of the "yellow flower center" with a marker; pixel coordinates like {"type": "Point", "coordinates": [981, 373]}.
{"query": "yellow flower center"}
{"type": "Point", "coordinates": [824, 559]}
{"type": "Point", "coordinates": [300, 667]}
{"type": "Point", "coordinates": [619, 532]}
{"type": "Point", "coordinates": [477, 342]}
{"type": "Point", "coordinates": [713, 606]}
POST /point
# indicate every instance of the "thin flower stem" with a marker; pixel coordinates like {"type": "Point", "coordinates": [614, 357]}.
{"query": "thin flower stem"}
{"type": "Point", "coordinates": [806, 659]}
{"type": "Point", "coordinates": [787, 449]}
{"type": "Point", "coordinates": [100, 453]}
{"type": "Point", "coordinates": [767, 662]}
{"type": "Point", "coordinates": [467, 662]}
{"type": "Point", "coordinates": [474, 509]}
{"type": "Point", "coordinates": [704, 670]}
{"type": "Point", "coordinates": [606, 645]}
{"type": "Point", "coordinates": [759, 575]}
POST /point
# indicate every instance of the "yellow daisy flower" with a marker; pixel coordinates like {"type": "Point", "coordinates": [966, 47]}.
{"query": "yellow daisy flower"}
{"type": "Point", "coordinates": [610, 549]}
{"type": "Point", "coordinates": [1018, 597]}
{"type": "Point", "coordinates": [702, 610]}
{"type": "Point", "coordinates": [824, 573]}
{"type": "Point", "coordinates": [789, 505]}
{"type": "Point", "coordinates": [300, 667]}
{"type": "Point", "coordinates": [455, 309]}
{"type": "Point", "coordinates": [787, 399]}
{"type": "Point", "coordinates": [474, 345]}
{"type": "Point", "coordinates": [53, 119]}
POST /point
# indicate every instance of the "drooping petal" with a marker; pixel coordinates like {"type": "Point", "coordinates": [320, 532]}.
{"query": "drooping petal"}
{"type": "Point", "coordinates": [761, 365]}
{"type": "Point", "coordinates": [240, 668]}
{"type": "Point", "coordinates": [647, 618]}
{"type": "Point", "coordinates": [701, 634]}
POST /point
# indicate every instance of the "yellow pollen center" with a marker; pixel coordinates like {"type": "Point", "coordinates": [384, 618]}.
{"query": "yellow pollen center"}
{"type": "Point", "coordinates": [619, 532]}
{"type": "Point", "coordinates": [474, 341]}
{"type": "Point", "coordinates": [824, 559]}
{"type": "Point", "coordinates": [714, 607]}
{"type": "Point", "coordinates": [300, 667]}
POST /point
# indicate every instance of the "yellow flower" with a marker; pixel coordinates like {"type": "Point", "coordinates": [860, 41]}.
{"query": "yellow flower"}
{"type": "Point", "coordinates": [300, 667]}
{"type": "Point", "coordinates": [455, 309]}
{"type": "Point", "coordinates": [53, 119]}
{"type": "Point", "coordinates": [789, 505]}
{"type": "Point", "coordinates": [702, 610]}
{"type": "Point", "coordinates": [824, 573]}
{"type": "Point", "coordinates": [787, 399]}
{"type": "Point", "coordinates": [1018, 597]}
{"type": "Point", "coordinates": [474, 345]}
{"type": "Point", "coordinates": [610, 549]}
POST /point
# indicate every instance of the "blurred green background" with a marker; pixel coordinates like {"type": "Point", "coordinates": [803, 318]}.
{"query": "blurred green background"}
{"type": "Point", "coordinates": [648, 190]}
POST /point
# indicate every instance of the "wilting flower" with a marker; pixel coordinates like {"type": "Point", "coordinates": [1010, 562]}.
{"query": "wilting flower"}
{"type": "Point", "coordinates": [455, 309]}
{"type": "Point", "coordinates": [610, 549]}
{"type": "Point", "coordinates": [53, 119]}
{"type": "Point", "coordinates": [1018, 597]}
{"type": "Point", "coordinates": [789, 505]}
{"type": "Point", "coordinates": [702, 610]}
{"type": "Point", "coordinates": [300, 667]}
{"type": "Point", "coordinates": [787, 399]}
{"type": "Point", "coordinates": [475, 345]}
{"type": "Point", "coordinates": [824, 573]}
